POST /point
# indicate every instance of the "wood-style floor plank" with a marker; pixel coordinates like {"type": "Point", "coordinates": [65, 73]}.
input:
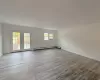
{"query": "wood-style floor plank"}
{"type": "Point", "coordinates": [48, 65]}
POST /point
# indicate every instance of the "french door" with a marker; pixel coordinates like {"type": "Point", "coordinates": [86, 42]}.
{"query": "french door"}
{"type": "Point", "coordinates": [26, 40]}
{"type": "Point", "coordinates": [16, 41]}
{"type": "Point", "coordinates": [20, 41]}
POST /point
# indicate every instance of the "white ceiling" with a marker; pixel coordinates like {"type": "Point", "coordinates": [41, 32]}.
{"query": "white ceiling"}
{"type": "Point", "coordinates": [50, 13]}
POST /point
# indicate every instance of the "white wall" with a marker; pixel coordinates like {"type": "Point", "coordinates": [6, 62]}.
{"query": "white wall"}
{"type": "Point", "coordinates": [82, 40]}
{"type": "Point", "coordinates": [37, 36]}
{"type": "Point", "coordinates": [0, 40]}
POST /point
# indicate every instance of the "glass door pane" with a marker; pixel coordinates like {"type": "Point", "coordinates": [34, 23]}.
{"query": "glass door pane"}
{"type": "Point", "coordinates": [26, 40]}
{"type": "Point", "coordinates": [16, 40]}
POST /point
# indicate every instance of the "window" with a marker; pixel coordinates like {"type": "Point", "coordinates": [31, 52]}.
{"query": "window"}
{"type": "Point", "coordinates": [26, 40]}
{"type": "Point", "coordinates": [46, 36]}
{"type": "Point", "coordinates": [16, 40]}
{"type": "Point", "coordinates": [50, 36]}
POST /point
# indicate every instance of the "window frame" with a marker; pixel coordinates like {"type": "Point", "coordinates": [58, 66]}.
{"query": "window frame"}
{"type": "Point", "coordinates": [51, 36]}
{"type": "Point", "coordinates": [46, 36]}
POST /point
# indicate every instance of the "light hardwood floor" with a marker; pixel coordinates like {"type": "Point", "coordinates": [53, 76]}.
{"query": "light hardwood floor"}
{"type": "Point", "coordinates": [48, 65]}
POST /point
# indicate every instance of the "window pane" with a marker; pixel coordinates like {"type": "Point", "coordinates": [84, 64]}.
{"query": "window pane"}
{"type": "Point", "coordinates": [26, 40]}
{"type": "Point", "coordinates": [50, 36]}
{"type": "Point", "coordinates": [16, 40]}
{"type": "Point", "coordinates": [46, 36]}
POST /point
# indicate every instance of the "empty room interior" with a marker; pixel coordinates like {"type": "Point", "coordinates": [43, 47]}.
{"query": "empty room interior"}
{"type": "Point", "coordinates": [49, 39]}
